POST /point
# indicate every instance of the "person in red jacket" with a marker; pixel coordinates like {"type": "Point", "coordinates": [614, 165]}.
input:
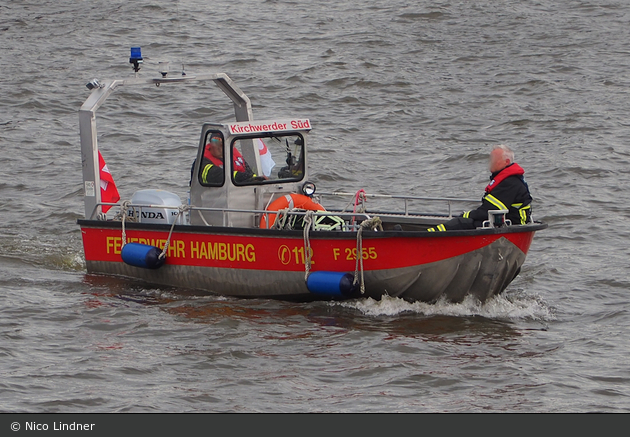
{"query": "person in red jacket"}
{"type": "Point", "coordinates": [212, 164]}
{"type": "Point", "coordinates": [507, 190]}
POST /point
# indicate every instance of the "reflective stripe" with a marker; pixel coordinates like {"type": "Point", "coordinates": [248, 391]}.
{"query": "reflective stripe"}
{"type": "Point", "coordinates": [204, 174]}
{"type": "Point", "coordinates": [496, 202]}
{"type": "Point", "coordinates": [237, 172]}
{"type": "Point", "coordinates": [523, 213]}
{"type": "Point", "coordinates": [439, 227]}
{"type": "Point", "coordinates": [466, 214]}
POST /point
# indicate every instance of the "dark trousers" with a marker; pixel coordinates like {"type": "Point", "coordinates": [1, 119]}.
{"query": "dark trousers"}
{"type": "Point", "coordinates": [460, 223]}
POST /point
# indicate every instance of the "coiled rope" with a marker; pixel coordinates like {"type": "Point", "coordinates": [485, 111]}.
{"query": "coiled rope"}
{"type": "Point", "coordinates": [123, 216]}
{"type": "Point", "coordinates": [359, 201]}
{"type": "Point", "coordinates": [308, 222]}
{"type": "Point", "coordinates": [282, 222]}
{"type": "Point", "coordinates": [372, 224]}
{"type": "Point", "coordinates": [281, 219]}
{"type": "Point", "coordinates": [180, 210]}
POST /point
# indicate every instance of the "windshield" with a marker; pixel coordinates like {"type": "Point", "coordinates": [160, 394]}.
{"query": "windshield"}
{"type": "Point", "coordinates": [267, 159]}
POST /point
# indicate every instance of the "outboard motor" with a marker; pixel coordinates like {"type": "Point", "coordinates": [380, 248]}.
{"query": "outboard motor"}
{"type": "Point", "coordinates": [163, 209]}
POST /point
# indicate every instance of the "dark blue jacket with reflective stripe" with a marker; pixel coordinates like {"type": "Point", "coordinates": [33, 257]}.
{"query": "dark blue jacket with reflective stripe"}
{"type": "Point", "coordinates": [512, 194]}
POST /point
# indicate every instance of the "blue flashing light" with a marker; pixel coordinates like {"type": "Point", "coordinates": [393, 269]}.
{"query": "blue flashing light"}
{"type": "Point", "coordinates": [136, 58]}
{"type": "Point", "coordinates": [136, 55]}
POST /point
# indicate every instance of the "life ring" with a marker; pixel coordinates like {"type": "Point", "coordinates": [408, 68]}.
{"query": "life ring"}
{"type": "Point", "coordinates": [290, 201]}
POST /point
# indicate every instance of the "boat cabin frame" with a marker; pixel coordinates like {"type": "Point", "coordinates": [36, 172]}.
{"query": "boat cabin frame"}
{"type": "Point", "coordinates": [246, 200]}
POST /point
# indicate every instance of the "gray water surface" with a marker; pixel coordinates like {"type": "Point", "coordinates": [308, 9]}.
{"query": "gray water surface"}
{"type": "Point", "coordinates": [405, 98]}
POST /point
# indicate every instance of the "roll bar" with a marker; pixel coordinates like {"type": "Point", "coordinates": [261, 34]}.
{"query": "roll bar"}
{"type": "Point", "coordinates": [100, 93]}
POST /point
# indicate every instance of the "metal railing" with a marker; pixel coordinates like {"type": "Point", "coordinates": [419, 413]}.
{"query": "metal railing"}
{"type": "Point", "coordinates": [406, 199]}
{"type": "Point", "coordinates": [137, 215]}
{"type": "Point", "coordinates": [450, 201]}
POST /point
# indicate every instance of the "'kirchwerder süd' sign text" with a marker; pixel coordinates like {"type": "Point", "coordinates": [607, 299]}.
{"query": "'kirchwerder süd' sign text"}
{"type": "Point", "coordinates": [253, 127]}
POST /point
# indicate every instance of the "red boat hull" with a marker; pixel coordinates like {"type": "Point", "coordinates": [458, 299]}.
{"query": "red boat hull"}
{"type": "Point", "coordinates": [417, 266]}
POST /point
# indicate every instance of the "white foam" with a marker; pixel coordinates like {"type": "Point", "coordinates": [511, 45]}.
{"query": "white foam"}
{"type": "Point", "coordinates": [514, 307]}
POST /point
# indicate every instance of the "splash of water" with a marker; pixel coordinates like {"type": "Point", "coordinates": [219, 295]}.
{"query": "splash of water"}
{"type": "Point", "coordinates": [517, 306]}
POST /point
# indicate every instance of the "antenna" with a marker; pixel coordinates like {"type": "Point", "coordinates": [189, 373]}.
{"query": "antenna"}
{"type": "Point", "coordinates": [179, 31]}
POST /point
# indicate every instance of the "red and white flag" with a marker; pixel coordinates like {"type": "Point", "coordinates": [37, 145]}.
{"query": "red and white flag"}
{"type": "Point", "coordinates": [266, 161]}
{"type": "Point", "coordinates": [109, 192]}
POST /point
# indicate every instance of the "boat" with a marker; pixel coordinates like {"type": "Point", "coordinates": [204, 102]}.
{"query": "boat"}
{"type": "Point", "coordinates": [259, 228]}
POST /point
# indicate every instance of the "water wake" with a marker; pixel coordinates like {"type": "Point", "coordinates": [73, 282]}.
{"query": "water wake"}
{"type": "Point", "coordinates": [516, 306]}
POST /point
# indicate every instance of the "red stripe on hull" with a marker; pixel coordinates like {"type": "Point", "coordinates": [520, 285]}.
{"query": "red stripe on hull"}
{"type": "Point", "coordinates": [287, 253]}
